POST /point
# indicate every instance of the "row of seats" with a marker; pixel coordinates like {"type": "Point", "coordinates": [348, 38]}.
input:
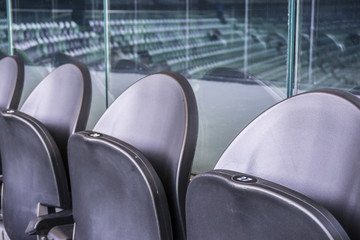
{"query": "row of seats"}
{"type": "Point", "coordinates": [290, 174]}
{"type": "Point", "coordinates": [36, 176]}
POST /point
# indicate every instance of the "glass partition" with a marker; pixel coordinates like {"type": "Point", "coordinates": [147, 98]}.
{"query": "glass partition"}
{"type": "Point", "coordinates": [234, 53]}
{"type": "Point", "coordinates": [266, 24]}
{"type": "Point", "coordinates": [216, 46]}
{"type": "Point", "coordinates": [54, 33]}
{"type": "Point", "coordinates": [236, 61]}
{"type": "Point", "coordinates": [329, 45]}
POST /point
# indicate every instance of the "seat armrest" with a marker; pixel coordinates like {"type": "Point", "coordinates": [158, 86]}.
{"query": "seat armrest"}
{"type": "Point", "coordinates": [41, 225]}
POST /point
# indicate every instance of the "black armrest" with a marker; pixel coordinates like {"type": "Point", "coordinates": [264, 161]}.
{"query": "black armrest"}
{"type": "Point", "coordinates": [42, 224]}
{"type": "Point", "coordinates": [1, 178]}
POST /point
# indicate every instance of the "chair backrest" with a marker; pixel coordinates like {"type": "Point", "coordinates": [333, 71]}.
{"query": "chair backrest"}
{"type": "Point", "coordinates": [11, 82]}
{"type": "Point", "coordinates": [223, 204]}
{"type": "Point", "coordinates": [116, 193]}
{"type": "Point", "coordinates": [158, 115]}
{"type": "Point", "coordinates": [62, 102]}
{"type": "Point", "coordinates": [33, 169]}
{"type": "Point", "coordinates": [308, 143]}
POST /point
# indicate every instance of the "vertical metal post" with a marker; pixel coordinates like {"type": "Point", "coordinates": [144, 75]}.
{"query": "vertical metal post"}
{"type": "Point", "coordinates": [93, 8]}
{"type": "Point", "coordinates": [311, 52]}
{"type": "Point", "coordinates": [187, 34]}
{"type": "Point", "coordinates": [246, 39]}
{"type": "Point", "coordinates": [10, 30]}
{"type": "Point", "coordinates": [291, 48]}
{"type": "Point", "coordinates": [106, 50]}
{"type": "Point", "coordinates": [52, 9]}
{"type": "Point", "coordinates": [297, 40]}
{"type": "Point", "coordinates": [135, 38]}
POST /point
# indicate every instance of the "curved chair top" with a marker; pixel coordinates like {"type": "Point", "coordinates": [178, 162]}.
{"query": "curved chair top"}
{"type": "Point", "coordinates": [116, 193]}
{"type": "Point", "coordinates": [308, 143]}
{"type": "Point", "coordinates": [62, 102]}
{"type": "Point", "coordinates": [158, 115]}
{"type": "Point", "coordinates": [223, 204]}
{"type": "Point", "coordinates": [33, 171]}
{"type": "Point", "coordinates": [12, 81]}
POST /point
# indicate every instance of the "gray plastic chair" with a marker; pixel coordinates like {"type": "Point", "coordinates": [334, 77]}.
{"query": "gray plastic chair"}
{"type": "Point", "coordinates": [158, 115]}
{"type": "Point", "coordinates": [34, 174]}
{"type": "Point", "coordinates": [116, 191]}
{"type": "Point", "coordinates": [307, 143]}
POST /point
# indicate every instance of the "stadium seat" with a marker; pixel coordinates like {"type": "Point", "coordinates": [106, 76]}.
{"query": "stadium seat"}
{"type": "Point", "coordinates": [116, 191]}
{"type": "Point", "coordinates": [223, 204]}
{"type": "Point", "coordinates": [158, 116]}
{"type": "Point", "coordinates": [307, 143]}
{"type": "Point", "coordinates": [31, 142]}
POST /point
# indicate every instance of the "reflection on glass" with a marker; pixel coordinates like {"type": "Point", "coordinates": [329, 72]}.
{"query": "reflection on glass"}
{"type": "Point", "coordinates": [239, 63]}
{"type": "Point", "coordinates": [329, 51]}
{"type": "Point", "coordinates": [57, 33]}
{"type": "Point", "coordinates": [53, 38]}
{"type": "Point", "coordinates": [267, 41]}
{"type": "Point", "coordinates": [195, 42]}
